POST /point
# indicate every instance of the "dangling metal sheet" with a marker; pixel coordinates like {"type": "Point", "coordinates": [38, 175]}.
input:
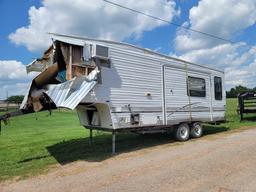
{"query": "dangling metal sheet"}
{"type": "Point", "coordinates": [71, 93]}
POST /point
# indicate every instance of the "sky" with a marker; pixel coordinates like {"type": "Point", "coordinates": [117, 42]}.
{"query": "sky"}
{"type": "Point", "coordinates": [25, 26]}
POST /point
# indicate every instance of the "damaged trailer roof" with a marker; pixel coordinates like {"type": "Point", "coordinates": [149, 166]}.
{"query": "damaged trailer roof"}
{"type": "Point", "coordinates": [81, 40]}
{"type": "Point", "coordinates": [70, 93]}
{"type": "Point", "coordinates": [65, 78]}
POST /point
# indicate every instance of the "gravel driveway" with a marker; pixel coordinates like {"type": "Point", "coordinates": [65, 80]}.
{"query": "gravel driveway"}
{"type": "Point", "coordinates": [222, 163]}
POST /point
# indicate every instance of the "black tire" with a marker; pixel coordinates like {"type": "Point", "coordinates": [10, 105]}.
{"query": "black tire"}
{"type": "Point", "coordinates": [182, 132]}
{"type": "Point", "coordinates": [196, 130]}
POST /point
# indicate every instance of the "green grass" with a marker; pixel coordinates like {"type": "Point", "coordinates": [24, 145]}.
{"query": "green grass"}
{"type": "Point", "coordinates": [25, 137]}
{"type": "Point", "coordinates": [232, 119]}
{"type": "Point", "coordinates": [30, 144]}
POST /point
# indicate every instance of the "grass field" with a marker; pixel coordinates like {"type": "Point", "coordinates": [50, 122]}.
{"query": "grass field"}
{"type": "Point", "coordinates": [31, 144]}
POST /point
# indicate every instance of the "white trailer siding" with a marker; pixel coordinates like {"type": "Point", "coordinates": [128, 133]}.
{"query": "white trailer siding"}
{"type": "Point", "coordinates": [177, 97]}
{"type": "Point", "coordinates": [134, 74]}
{"type": "Point", "coordinates": [130, 78]}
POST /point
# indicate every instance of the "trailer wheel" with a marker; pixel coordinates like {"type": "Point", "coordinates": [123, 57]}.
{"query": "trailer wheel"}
{"type": "Point", "coordinates": [182, 132]}
{"type": "Point", "coordinates": [196, 130]}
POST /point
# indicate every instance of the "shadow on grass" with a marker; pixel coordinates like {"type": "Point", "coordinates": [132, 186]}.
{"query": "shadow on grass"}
{"type": "Point", "coordinates": [34, 158]}
{"type": "Point", "coordinates": [79, 149]}
{"type": "Point", "coordinates": [213, 129]}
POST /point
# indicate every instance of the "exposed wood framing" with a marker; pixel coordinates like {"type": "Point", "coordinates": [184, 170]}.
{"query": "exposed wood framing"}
{"type": "Point", "coordinates": [69, 65]}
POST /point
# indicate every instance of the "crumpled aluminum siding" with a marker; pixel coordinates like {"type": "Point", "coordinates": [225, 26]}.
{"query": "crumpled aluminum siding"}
{"type": "Point", "coordinates": [71, 93]}
{"type": "Point", "coordinates": [63, 95]}
{"type": "Point", "coordinates": [77, 96]}
{"type": "Point", "coordinates": [58, 93]}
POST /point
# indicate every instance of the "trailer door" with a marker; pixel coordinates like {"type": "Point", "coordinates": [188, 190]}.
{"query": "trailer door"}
{"type": "Point", "coordinates": [187, 96]}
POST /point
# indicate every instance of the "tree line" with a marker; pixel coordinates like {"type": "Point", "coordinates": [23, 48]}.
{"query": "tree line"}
{"type": "Point", "coordinates": [233, 92]}
{"type": "Point", "coordinates": [15, 99]}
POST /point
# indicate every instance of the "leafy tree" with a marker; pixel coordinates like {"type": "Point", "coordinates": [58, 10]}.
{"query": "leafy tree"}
{"type": "Point", "coordinates": [15, 99]}
{"type": "Point", "coordinates": [241, 89]}
{"type": "Point", "coordinates": [232, 93]}
{"type": "Point", "coordinates": [236, 90]}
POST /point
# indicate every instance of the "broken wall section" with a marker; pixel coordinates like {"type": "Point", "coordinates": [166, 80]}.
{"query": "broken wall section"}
{"type": "Point", "coordinates": [74, 67]}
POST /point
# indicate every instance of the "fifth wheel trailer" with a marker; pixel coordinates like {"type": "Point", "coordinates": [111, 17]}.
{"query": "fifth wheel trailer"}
{"type": "Point", "coordinates": [119, 87]}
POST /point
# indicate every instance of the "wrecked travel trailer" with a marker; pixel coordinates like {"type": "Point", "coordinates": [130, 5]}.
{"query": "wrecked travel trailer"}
{"type": "Point", "coordinates": [118, 87]}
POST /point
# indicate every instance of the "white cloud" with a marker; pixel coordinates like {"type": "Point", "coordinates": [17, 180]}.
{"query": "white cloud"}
{"type": "Point", "coordinates": [222, 55]}
{"type": "Point", "coordinates": [13, 78]}
{"type": "Point", "coordinates": [243, 74]}
{"type": "Point", "coordinates": [91, 18]}
{"type": "Point", "coordinates": [220, 18]}
{"type": "Point", "coordinates": [12, 70]}
{"type": "Point", "coordinates": [224, 19]}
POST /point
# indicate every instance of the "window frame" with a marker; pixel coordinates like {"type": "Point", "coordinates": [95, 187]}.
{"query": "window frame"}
{"type": "Point", "coordinates": [220, 92]}
{"type": "Point", "coordinates": [189, 90]}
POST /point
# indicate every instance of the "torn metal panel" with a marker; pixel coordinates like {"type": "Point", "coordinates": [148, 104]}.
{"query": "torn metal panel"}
{"type": "Point", "coordinates": [35, 66]}
{"type": "Point", "coordinates": [77, 96]}
{"type": "Point", "coordinates": [58, 93]}
{"type": "Point", "coordinates": [72, 41]}
{"type": "Point", "coordinates": [43, 63]}
{"type": "Point", "coordinates": [71, 93]}
{"type": "Point", "coordinates": [68, 94]}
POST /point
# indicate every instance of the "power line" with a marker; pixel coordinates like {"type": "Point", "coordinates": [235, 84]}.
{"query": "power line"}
{"type": "Point", "coordinates": [172, 23]}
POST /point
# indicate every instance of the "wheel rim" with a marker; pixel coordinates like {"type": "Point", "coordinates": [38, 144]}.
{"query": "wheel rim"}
{"type": "Point", "coordinates": [183, 132]}
{"type": "Point", "coordinates": [197, 130]}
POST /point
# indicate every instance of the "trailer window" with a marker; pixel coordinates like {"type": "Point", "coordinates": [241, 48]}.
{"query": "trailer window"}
{"type": "Point", "coordinates": [196, 87]}
{"type": "Point", "coordinates": [218, 88]}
